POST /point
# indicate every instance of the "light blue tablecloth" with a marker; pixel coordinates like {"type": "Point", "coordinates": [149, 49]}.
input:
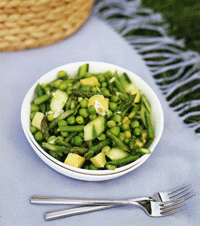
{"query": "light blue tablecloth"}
{"type": "Point", "coordinates": [175, 161]}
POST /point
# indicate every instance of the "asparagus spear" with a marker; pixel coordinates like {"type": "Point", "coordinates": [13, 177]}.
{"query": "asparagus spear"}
{"type": "Point", "coordinates": [118, 142]}
{"type": "Point", "coordinates": [93, 150]}
{"type": "Point", "coordinates": [81, 93]}
{"type": "Point", "coordinates": [39, 92]}
{"type": "Point", "coordinates": [61, 117]}
{"type": "Point", "coordinates": [44, 128]}
{"type": "Point", "coordinates": [78, 128]}
{"type": "Point", "coordinates": [126, 104]}
{"type": "Point", "coordinates": [58, 148]}
{"type": "Point", "coordinates": [150, 130]}
{"type": "Point", "coordinates": [67, 139]}
{"type": "Point", "coordinates": [134, 111]}
{"type": "Point", "coordinates": [122, 162]}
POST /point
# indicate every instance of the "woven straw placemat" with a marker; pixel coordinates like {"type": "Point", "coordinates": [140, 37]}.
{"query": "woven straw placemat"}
{"type": "Point", "coordinates": [26, 24]}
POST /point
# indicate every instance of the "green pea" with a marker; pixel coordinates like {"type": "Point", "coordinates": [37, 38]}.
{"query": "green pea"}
{"type": "Point", "coordinates": [69, 88]}
{"type": "Point", "coordinates": [83, 112]}
{"type": "Point", "coordinates": [60, 138]}
{"type": "Point", "coordinates": [39, 136]}
{"type": "Point", "coordinates": [94, 89]}
{"type": "Point", "coordinates": [80, 119]}
{"type": "Point", "coordinates": [106, 93]}
{"type": "Point", "coordinates": [126, 140]}
{"type": "Point", "coordinates": [32, 115]}
{"type": "Point", "coordinates": [84, 103]}
{"type": "Point", "coordinates": [78, 140]}
{"type": "Point", "coordinates": [135, 124]}
{"type": "Point", "coordinates": [33, 129]}
{"type": "Point", "coordinates": [103, 89]}
{"type": "Point", "coordinates": [64, 134]}
{"type": "Point", "coordinates": [62, 123]}
{"type": "Point", "coordinates": [92, 117]}
{"type": "Point", "coordinates": [127, 134]}
{"type": "Point", "coordinates": [71, 120]}
{"type": "Point", "coordinates": [117, 118]}
{"type": "Point", "coordinates": [109, 114]}
{"type": "Point", "coordinates": [102, 136]}
{"type": "Point", "coordinates": [86, 88]}
{"type": "Point", "coordinates": [111, 124]}
{"type": "Point", "coordinates": [101, 78]}
{"type": "Point", "coordinates": [114, 99]}
{"type": "Point", "coordinates": [62, 86]}
{"type": "Point", "coordinates": [47, 89]}
{"type": "Point", "coordinates": [125, 126]}
{"type": "Point", "coordinates": [121, 136]}
{"type": "Point", "coordinates": [104, 84]}
{"type": "Point", "coordinates": [112, 106]}
{"type": "Point", "coordinates": [137, 131]}
{"type": "Point", "coordinates": [115, 130]}
{"type": "Point", "coordinates": [57, 83]}
{"type": "Point", "coordinates": [35, 108]}
{"type": "Point", "coordinates": [50, 117]}
{"type": "Point", "coordinates": [91, 110]}
{"type": "Point", "coordinates": [62, 74]}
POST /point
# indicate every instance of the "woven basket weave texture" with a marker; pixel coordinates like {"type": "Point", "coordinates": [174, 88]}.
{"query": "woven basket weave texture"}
{"type": "Point", "coordinates": [26, 24]}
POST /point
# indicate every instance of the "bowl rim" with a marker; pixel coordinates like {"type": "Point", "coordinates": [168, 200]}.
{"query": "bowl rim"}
{"type": "Point", "coordinates": [92, 173]}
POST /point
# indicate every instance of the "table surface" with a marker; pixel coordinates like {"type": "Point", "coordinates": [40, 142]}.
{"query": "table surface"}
{"type": "Point", "coordinates": [175, 161]}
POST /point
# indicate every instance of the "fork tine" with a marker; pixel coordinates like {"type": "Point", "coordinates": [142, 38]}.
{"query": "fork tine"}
{"type": "Point", "coordinates": [170, 204]}
{"type": "Point", "coordinates": [186, 195]}
{"type": "Point", "coordinates": [174, 207]}
{"type": "Point", "coordinates": [172, 212]}
{"type": "Point", "coordinates": [179, 190]}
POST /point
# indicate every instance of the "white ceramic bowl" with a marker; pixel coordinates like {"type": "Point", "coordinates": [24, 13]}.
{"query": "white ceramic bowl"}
{"type": "Point", "coordinates": [83, 174]}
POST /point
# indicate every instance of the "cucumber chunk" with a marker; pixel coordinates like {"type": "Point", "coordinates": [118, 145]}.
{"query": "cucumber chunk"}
{"type": "Point", "coordinates": [58, 100]}
{"type": "Point", "coordinates": [116, 153]}
{"type": "Point", "coordinates": [82, 70]}
{"type": "Point", "coordinates": [94, 128]}
{"type": "Point", "coordinates": [126, 83]}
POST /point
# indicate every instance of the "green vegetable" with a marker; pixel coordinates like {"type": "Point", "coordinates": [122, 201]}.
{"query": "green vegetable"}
{"type": "Point", "coordinates": [70, 131]}
{"type": "Point", "coordinates": [82, 70]}
{"type": "Point", "coordinates": [124, 161]}
{"type": "Point", "coordinates": [62, 116]}
{"type": "Point", "coordinates": [95, 149]}
{"type": "Point", "coordinates": [118, 142]}
{"type": "Point", "coordinates": [78, 128]}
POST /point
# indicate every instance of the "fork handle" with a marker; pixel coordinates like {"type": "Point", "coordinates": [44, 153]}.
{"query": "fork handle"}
{"type": "Point", "coordinates": [72, 201]}
{"type": "Point", "coordinates": [75, 211]}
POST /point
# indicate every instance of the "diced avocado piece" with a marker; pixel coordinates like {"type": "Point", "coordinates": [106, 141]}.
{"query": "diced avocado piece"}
{"type": "Point", "coordinates": [74, 160]}
{"type": "Point", "coordinates": [92, 81]}
{"type": "Point", "coordinates": [116, 153]}
{"type": "Point", "coordinates": [126, 82]}
{"type": "Point", "coordinates": [138, 143]}
{"type": "Point", "coordinates": [37, 120]}
{"type": "Point", "coordinates": [99, 160]}
{"type": "Point", "coordinates": [137, 92]}
{"type": "Point", "coordinates": [94, 128]}
{"type": "Point", "coordinates": [58, 100]}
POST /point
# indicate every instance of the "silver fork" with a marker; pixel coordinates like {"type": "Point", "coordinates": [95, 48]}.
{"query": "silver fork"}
{"type": "Point", "coordinates": [168, 196]}
{"type": "Point", "coordinates": [151, 208]}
